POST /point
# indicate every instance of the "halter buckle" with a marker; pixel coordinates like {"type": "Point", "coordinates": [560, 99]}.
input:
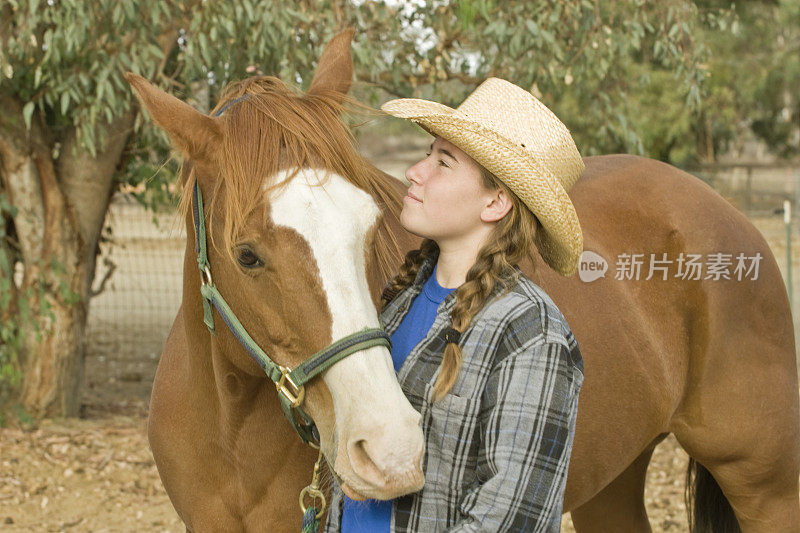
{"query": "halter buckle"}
{"type": "Point", "coordinates": [296, 394]}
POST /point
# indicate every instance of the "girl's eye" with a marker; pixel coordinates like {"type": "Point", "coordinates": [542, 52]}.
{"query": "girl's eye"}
{"type": "Point", "coordinates": [248, 259]}
{"type": "Point", "coordinates": [441, 161]}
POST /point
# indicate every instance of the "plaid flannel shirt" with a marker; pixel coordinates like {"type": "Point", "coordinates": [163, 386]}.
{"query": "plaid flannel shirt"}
{"type": "Point", "coordinates": [498, 444]}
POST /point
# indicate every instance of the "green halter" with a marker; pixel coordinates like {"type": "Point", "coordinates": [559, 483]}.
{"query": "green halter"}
{"type": "Point", "coordinates": [290, 383]}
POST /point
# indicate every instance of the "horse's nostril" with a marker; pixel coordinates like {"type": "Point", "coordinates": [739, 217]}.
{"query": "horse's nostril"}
{"type": "Point", "coordinates": [363, 465]}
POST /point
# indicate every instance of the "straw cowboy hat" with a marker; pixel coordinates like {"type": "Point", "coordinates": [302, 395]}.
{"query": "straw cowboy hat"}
{"type": "Point", "coordinates": [518, 139]}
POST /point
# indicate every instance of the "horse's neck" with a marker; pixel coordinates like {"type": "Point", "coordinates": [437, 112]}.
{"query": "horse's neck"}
{"type": "Point", "coordinates": [206, 364]}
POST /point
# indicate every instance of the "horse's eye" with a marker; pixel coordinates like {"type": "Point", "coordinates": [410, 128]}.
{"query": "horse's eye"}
{"type": "Point", "coordinates": [248, 259]}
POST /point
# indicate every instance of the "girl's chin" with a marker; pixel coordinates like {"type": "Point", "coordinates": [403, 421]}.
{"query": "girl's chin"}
{"type": "Point", "coordinates": [409, 222]}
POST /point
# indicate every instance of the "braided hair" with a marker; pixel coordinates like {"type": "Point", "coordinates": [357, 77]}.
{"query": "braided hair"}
{"type": "Point", "coordinates": [510, 241]}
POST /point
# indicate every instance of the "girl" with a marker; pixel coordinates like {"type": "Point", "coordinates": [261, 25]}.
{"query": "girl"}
{"type": "Point", "coordinates": [481, 351]}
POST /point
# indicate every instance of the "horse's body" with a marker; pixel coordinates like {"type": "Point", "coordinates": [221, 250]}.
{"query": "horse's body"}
{"type": "Point", "coordinates": [711, 361]}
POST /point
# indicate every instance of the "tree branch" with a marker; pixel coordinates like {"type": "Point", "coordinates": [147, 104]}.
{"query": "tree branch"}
{"type": "Point", "coordinates": [20, 179]}
{"type": "Point", "coordinates": [111, 268]}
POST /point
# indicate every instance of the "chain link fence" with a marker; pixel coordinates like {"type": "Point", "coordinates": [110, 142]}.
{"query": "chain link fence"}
{"type": "Point", "coordinates": [139, 284]}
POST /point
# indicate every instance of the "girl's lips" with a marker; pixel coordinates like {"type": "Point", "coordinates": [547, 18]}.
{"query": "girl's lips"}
{"type": "Point", "coordinates": [411, 198]}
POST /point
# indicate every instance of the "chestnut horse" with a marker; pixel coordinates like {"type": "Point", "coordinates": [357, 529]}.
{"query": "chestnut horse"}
{"type": "Point", "coordinates": [709, 360]}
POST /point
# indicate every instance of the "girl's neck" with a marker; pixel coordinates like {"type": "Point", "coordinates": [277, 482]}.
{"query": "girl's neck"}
{"type": "Point", "coordinates": [453, 264]}
{"type": "Point", "coordinates": [458, 254]}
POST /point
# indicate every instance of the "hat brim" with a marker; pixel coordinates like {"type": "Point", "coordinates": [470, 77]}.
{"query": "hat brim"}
{"type": "Point", "coordinates": [562, 245]}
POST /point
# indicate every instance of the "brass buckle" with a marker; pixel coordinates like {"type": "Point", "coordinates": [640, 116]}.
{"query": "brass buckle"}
{"type": "Point", "coordinates": [297, 394]}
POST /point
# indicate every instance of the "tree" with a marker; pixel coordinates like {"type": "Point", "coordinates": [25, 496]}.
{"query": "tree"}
{"type": "Point", "coordinates": [588, 61]}
{"type": "Point", "coordinates": [755, 79]}
{"type": "Point", "coordinates": [69, 134]}
{"type": "Point", "coordinates": [66, 120]}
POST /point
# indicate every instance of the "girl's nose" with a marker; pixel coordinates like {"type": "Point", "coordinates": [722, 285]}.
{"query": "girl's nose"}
{"type": "Point", "coordinates": [413, 173]}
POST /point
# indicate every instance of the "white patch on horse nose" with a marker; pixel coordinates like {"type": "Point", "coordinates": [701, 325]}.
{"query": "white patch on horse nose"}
{"type": "Point", "coordinates": [363, 464]}
{"type": "Point", "coordinates": [382, 457]}
{"type": "Point", "coordinates": [376, 428]}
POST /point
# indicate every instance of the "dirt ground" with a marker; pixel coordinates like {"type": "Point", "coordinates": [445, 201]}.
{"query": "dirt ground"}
{"type": "Point", "coordinates": [82, 475]}
{"type": "Point", "coordinates": [96, 473]}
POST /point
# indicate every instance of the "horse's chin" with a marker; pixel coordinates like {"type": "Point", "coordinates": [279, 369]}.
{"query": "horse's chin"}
{"type": "Point", "coordinates": [360, 493]}
{"type": "Point", "coordinates": [356, 489]}
{"type": "Point", "coordinates": [346, 488]}
{"type": "Point", "coordinates": [351, 493]}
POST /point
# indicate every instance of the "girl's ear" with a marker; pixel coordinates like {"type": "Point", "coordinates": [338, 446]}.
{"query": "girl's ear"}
{"type": "Point", "coordinates": [498, 205]}
{"type": "Point", "coordinates": [195, 134]}
{"type": "Point", "coordinates": [335, 68]}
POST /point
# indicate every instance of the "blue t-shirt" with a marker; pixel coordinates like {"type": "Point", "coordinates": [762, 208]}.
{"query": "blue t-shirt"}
{"type": "Point", "coordinates": [374, 516]}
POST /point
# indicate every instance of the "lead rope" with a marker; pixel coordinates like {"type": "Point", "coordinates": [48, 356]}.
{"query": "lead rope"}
{"type": "Point", "coordinates": [311, 515]}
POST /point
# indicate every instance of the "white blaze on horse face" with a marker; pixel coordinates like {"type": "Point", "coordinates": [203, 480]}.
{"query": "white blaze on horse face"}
{"type": "Point", "coordinates": [378, 441]}
{"type": "Point", "coordinates": [334, 220]}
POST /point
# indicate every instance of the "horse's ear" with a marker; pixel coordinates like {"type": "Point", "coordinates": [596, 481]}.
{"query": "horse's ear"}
{"type": "Point", "coordinates": [335, 68]}
{"type": "Point", "coordinates": [196, 134]}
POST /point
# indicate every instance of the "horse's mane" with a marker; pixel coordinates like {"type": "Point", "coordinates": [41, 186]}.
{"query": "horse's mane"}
{"type": "Point", "coordinates": [275, 128]}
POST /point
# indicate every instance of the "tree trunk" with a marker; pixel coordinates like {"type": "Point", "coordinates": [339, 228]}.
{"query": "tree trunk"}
{"type": "Point", "coordinates": [53, 371]}
{"type": "Point", "coordinates": [62, 197]}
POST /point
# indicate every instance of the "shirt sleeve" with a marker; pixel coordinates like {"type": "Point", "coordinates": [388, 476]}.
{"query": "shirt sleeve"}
{"type": "Point", "coordinates": [527, 423]}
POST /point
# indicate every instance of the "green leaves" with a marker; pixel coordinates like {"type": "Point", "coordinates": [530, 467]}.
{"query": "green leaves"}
{"type": "Point", "coordinates": [64, 102]}
{"type": "Point", "coordinates": [69, 58]}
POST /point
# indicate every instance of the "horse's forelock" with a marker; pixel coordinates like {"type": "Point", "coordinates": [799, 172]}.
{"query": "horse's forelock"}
{"type": "Point", "coordinates": [274, 128]}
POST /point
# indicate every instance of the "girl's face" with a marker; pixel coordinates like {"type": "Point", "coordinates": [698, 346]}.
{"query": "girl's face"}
{"type": "Point", "coordinates": [446, 198]}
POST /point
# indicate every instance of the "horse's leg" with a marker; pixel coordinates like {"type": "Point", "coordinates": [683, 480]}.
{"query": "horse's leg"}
{"type": "Point", "coordinates": [620, 505]}
{"type": "Point", "coordinates": [760, 486]}
{"type": "Point", "coordinates": [741, 424]}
